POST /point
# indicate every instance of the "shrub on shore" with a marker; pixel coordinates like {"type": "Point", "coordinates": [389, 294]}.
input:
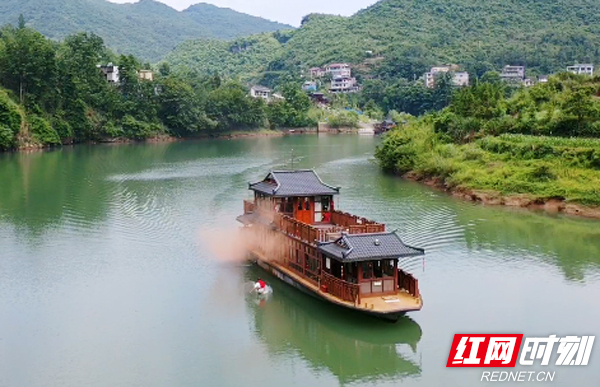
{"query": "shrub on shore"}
{"type": "Point", "coordinates": [10, 121]}
{"type": "Point", "coordinates": [544, 167]}
{"type": "Point", "coordinates": [543, 141]}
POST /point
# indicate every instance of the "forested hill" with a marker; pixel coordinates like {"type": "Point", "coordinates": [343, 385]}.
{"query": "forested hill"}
{"type": "Point", "coordinates": [147, 29]}
{"type": "Point", "coordinates": [413, 35]}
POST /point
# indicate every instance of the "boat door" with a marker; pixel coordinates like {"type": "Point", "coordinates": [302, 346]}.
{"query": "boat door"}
{"type": "Point", "coordinates": [304, 210]}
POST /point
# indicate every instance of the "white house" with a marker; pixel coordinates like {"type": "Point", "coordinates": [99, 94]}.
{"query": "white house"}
{"type": "Point", "coordinates": [583, 69]}
{"type": "Point", "coordinates": [339, 70]}
{"type": "Point", "coordinates": [344, 85]}
{"type": "Point", "coordinates": [527, 82]}
{"type": "Point", "coordinates": [261, 92]}
{"type": "Point", "coordinates": [513, 73]}
{"type": "Point", "coordinates": [110, 72]}
{"type": "Point", "coordinates": [459, 78]}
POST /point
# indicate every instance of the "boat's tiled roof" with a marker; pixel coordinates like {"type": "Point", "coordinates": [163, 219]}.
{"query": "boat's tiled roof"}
{"type": "Point", "coordinates": [293, 183]}
{"type": "Point", "coordinates": [368, 247]}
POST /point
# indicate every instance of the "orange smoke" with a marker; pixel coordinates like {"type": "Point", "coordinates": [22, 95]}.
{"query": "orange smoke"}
{"type": "Point", "coordinates": [232, 245]}
{"type": "Point", "coordinates": [225, 245]}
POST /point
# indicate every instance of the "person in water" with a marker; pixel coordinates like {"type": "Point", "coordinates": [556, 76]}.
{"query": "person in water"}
{"type": "Point", "coordinates": [260, 285]}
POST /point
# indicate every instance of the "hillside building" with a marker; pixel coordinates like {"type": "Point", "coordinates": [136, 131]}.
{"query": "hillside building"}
{"type": "Point", "coordinates": [459, 78]}
{"type": "Point", "coordinates": [513, 73]}
{"type": "Point", "coordinates": [339, 70]}
{"type": "Point", "coordinates": [261, 92]}
{"type": "Point", "coordinates": [319, 99]}
{"type": "Point", "coordinates": [317, 72]}
{"type": "Point", "coordinates": [344, 85]}
{"type": "Point", "coordinates": [310, 86]}
{"type": "Point", "coordinates": [146, 75]}
{"type": "Point", "coordinates": [581, 69]}
{"type": "Point", "coordinates": [110, 72]}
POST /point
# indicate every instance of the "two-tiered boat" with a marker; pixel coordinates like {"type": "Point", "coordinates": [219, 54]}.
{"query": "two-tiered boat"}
{"type": "Point", "coordinates": [294, 232]}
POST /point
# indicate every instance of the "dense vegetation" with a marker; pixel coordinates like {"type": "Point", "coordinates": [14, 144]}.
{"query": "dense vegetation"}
{"type": "Point", "coordinates": [147, 29]}
{"type": "Point", "coordinates": [246, 58]}
{"type": "Point", "coordinates": [543, 141]}
{"type": "Point", "coordinates": [54, 93]}
{"type": "Point", "coordinates": [394, 41]}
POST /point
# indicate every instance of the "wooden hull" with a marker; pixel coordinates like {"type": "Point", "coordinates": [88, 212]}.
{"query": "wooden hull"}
{"type": "Point", "coordinates": [290, 279]}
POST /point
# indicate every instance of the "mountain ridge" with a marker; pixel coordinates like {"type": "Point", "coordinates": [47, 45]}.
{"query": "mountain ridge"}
{"type": "Point", "coordinates": [412, 36]}
{"type": "Point", "coordinates": [147, 29]}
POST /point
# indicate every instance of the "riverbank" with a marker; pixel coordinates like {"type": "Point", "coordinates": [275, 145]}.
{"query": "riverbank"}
{"type": "Point", "coordinates": [30, 146]}
{"type": "Point", "coordinates": [495, 198]}
{"type": "Point", "coordinates": [557, 175]}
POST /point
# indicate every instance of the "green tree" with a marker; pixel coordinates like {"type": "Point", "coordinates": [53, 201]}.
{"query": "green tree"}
{"type": "Point", "coordinates": [482, 100]}
{"type": "Point", "coordinates": [180, 107]}
{"type": "Point", "coordinates": [81, 85]}
{"type": "Point", "coordinates": [232, 108]}
{"type": "Point", "coordinates": [164, 69]}
{"type": "Point", "coordinates": [580, 109]}
{"type": "Point", "coordinates": [10, 121]}
{"type": "Point", "coordinates": [28, 64]}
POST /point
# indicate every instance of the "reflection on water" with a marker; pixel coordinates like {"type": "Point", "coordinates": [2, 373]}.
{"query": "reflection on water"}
{"type": "Point", "coordinates": [443, 225]}
{"type": "Point", "coordinates": [107, 279]}
{"type": "Point", "coordinates": [351, 346]}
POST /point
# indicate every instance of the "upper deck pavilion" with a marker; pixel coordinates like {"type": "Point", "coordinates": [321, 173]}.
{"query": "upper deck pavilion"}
{"type": "Point", "coordinates": [293, 183]}
{"type": "Point", "coordinates": [299, 202]}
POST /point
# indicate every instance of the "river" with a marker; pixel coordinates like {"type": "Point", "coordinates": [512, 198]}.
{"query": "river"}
{"type": "Point", "coordinates": [111, 273]}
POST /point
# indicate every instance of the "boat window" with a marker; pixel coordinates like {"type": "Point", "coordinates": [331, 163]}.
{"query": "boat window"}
{"type": "Point", "coordinates": [306, 204]}
{"type": "Point", "coordinates": [325, 203]}
{"type": "Point", "coordinates": [351, 275]}
{"type": "Point", "coordinates": [327, 263]}
{"type": "Point", "coordinates": [313, 267]}
{"type": "Point", "coordinates": [367, 270]}
{"type": "Point", "coordinates": [318, 206]}
{"type": "Point", "coordinates": [388, 268]}
{"type": "Point", "coordinates": [289, 206]}
{"type": "Point", "coordinates": [377, 270]}
{"type": "Point", "coordinates": [299, 205]}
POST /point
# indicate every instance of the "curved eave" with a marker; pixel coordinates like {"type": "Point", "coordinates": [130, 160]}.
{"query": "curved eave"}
{"type": "Point", "coordinates": [368, 259]}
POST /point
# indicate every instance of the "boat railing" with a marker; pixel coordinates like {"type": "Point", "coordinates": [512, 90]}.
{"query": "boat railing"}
{"type": "Point", "coordinates": [306, 272]}
{"type": "Point", "coordinates": [356, 224]}
{"type": "Point", "coordinates": [408, 283]}
{"type": "Point", "coordinates": [340, 288]}
{"type": "Point", "coordinates": [312, 234]}
{"type": "Point", "coordinates": [299, 229]}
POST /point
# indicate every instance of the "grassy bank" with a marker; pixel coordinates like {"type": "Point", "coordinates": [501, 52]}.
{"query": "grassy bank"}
{"type": "Point", "coordinates": [527, 147]}
{"type": "Point", "coordinates": [534, 169]}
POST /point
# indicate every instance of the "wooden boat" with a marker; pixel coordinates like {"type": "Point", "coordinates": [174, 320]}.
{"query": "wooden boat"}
{"type": "Point", "coordinates": [294, 232]}
{"type": "Point", "coordinates": [353, 349]}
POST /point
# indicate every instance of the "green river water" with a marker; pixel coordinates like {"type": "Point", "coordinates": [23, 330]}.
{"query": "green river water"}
{"type": "Point", "coordinates": [109, 273]}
